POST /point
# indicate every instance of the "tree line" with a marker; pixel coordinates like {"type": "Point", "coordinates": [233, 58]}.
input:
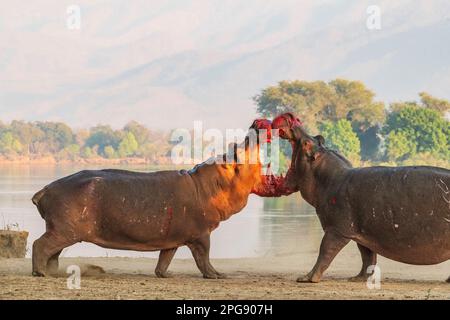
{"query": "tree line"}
{"type": "Point", "coordinates": [344, 112]}
{"type": "Point", "coordinates": [57, 139]}
{"type": "Point", "coordinates": [361, 128]}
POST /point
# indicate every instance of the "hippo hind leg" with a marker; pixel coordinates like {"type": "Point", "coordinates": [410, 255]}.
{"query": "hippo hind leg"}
{"type": "Point", "coordinates": [200, 251]}
{"type": "Point", "coordinates": [368, 258]}
{"type": "Point", "coordinates": [165, 257]}
{"type": "Point", "coordinates": [53, 263]}
{"type": "Point", "coordinates": [46, 250]}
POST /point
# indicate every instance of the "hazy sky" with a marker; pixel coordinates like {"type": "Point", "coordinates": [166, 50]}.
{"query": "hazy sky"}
{"type": "Point", "coordinates": [168, 63]}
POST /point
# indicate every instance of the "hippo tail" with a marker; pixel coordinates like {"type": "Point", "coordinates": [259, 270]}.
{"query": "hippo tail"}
{"type": "Point", "coordinates": [36, 198]}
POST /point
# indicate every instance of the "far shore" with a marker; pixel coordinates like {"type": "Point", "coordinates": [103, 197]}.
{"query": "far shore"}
{"type": "Point", "coordinates": [52, 161]}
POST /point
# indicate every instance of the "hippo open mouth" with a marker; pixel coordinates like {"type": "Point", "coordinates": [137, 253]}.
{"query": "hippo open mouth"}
{"type": "Point", "coordinates": [271, 185]}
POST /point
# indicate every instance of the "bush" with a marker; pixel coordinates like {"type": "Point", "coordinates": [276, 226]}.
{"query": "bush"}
{"type": "Point", "coordinates": [340, 136]}
{"type": "Point", "coordinates": [414, 129]}
{"type": "Point", "coordinates": [110, 153]}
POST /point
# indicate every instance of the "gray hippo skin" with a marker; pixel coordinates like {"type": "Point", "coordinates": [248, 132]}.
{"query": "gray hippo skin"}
{"type": "Point", "coordinates": [402, 213]}
{"type": "Point", "coordinates": [163, 210]}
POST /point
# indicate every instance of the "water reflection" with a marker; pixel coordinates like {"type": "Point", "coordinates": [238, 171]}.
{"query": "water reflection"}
{"type": "Point", "coordinates": [267, 226]}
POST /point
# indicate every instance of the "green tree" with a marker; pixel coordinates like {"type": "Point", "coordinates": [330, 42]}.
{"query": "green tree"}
{"type": "Point", "coordinates": [128, 145]}
{"type": "Point", "coordinates": [110, 153]}
{"type": "Point", "coordinates": [399, 147]}
{"type": "Point", "coordinates": [317, 102]}
{"type": "Point", "coordinates": [102, 136]}
{"type": "Point", "coordinates": [87, 153]}
{"type": "Point", "coordinates": [424, 128]}
{"type": "Point", "coordinates": [28, 134]}
{"type": "Point", "coordinates": [340, 136]}
{"type": "Point", "coordinates": [70, 152]}
{"type": "Point", "coordinates": [9, 144]}
{"type": "Point", "coordinates": [141, 133]}
{"type": "Point", "coordinates": [57, 136]}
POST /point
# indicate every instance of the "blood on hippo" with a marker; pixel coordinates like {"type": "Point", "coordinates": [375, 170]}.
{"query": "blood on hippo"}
{"type": "Point", "coordinates": [168, 221]}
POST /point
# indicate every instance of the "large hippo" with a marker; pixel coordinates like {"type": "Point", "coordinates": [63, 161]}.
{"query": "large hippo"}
{"type": "Point", "coordinates": [402, 213]}
{"type": "Point", "coordinates": [163, 210]}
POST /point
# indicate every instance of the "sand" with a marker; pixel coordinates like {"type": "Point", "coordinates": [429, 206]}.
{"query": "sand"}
{"type": "Point", "coordinates": [248, 278]}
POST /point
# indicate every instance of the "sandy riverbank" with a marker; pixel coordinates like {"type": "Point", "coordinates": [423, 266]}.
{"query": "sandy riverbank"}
{"type": "Point", "coordinates": [248, 278]}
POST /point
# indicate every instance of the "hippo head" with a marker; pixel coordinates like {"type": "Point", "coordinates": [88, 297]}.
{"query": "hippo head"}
{"type": "Point", "coordinates": [243, 160]}
{"type": "Point", "coordinates": [286, 124]}
{"type": "Point", "coordinates": [306, 149]}
{"type": "Point", "coordinates": [263, 125]}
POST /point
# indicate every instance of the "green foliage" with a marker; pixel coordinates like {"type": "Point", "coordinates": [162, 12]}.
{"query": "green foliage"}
{"type": "Point", "coordinates": [102, 136]}
{"type": "Point", "coordinates": [56, 136]}
{"type": "Point", "coordinates": [399, 147]}
{"type": "Point", "coordinates": [340, 136]}
{"type": "Point", "coordinates": [87, 153]}
{"type": "Point", "coordinates": [9, 144]}
{"type": "Point", "coordinates": [128, 145]}
{"type": "Point", "coordinates": [110, 153]}
{"type": "Point", "coordinates": [415, 129]}
{"type": "Point", "coordinates": [57, 139]}
{"type": "Point", "coordinates": [141, 133]}
{"type": "Point", "coordinates": [70, 152]}
{"type": "Point", "coordinates": [318, 101]}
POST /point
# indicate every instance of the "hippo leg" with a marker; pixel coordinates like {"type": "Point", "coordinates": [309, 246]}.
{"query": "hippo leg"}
{"type": "Point", "coordinates": [44, 248]}
{"type": "Point", "coordinates": [331, 244]}
{"type": "Point", "coordinates": [53, 264]}
{"type": "Point", "coordinates": [368, 258]}
{"type": "Point", "coordinates": [165, 257]}
{"type": "Point", "coordinates": [200, 251]}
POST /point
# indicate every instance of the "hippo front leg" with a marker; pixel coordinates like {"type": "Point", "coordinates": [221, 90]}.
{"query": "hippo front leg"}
{"type": "Point", "coordinates": [200, 251]}
{"type": "Point", "coordinates": [331, 244]}
{"type": "Point", "coordinates": [368, 258]}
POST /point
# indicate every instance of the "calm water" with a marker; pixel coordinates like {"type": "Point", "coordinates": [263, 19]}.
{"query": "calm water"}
{"type": "Point", "coordinates": [274, 226]}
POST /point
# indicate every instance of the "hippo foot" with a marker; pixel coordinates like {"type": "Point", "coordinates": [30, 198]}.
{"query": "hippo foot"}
{"type": "Point", "coordinates": [221, 275]}
{"type": "Point", "coordinates": [307, 279]}
{"type": "Point", "coordinates": [161, 274]}
{"type": "Point", "coordinates": [359, 278]}
{"type": "Point", "coordinates": [38, 274]}
{"type": "Point", "coordinates": [214, 276]}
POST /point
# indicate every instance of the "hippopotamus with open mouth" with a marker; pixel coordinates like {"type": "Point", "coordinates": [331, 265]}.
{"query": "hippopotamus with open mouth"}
{"type": "Point", "coordinates": [162, 210]}
{"type": "Point", "coordinates": [402, 213]}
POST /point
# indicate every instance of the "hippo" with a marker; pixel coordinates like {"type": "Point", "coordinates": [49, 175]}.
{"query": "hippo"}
{"type": "Point", "coordinates": [401, 213]}
{"type": "Point", "coordinates": [163, 210]}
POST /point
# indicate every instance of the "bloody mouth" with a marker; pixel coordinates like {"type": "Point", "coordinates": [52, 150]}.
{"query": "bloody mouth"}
{"type": "Point", "coordinates": [271, 185]}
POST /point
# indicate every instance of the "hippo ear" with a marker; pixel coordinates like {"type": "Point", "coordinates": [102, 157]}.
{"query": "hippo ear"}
{"type": "Point", "coordinates": [320, 139]}
{"type": "Point", "coordinates": [310, 149]}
